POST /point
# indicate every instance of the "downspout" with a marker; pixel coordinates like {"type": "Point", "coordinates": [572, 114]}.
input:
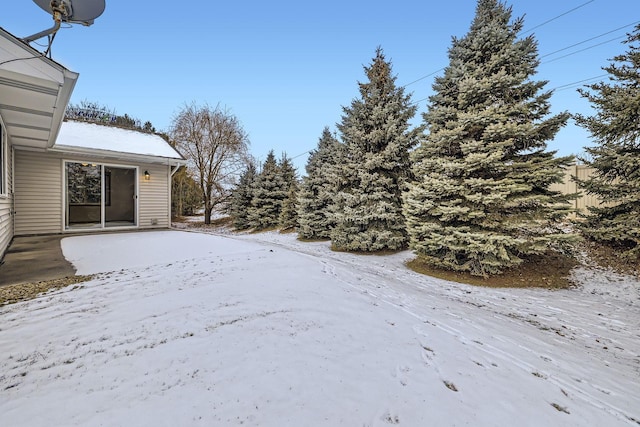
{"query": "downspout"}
{"type": "Point", "coordinates": [70, 79]}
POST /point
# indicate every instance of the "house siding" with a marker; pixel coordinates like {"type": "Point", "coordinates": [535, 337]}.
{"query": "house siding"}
{"type": "Point", "coordinates": [6, 207]}
{"type": "Point", "coordinates": [6, 225]}
{"type": "Point", "coordinates": [570, 186]}
{"type": "Point", "coordinates": [39, 192]}
{"type": "Point", "coordinates": [154, 197]}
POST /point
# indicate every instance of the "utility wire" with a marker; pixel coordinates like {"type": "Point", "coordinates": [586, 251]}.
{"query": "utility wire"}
{"type": "Point", "coordinates": [578, 83]}
{"type": "Point", "coordinates": [556, 17]}
{"type": "Point", "coordinates": [300, 155]}
{"type": "Point", "coordinates": [422, 78]}
{"type": "Point", "coordinates": [537, 26]}
{"type": "Point", "coordinates": [586, 48]}
{"type": "Point", "coordinates": [564, 56]}
{"type": "Point", "coordinates": [22, 59]}
{"type": "Point", "coordinates": [560, 50]}
{"type": "Point", "coordinates": [588, 40]}
{"type": "Point", "coordinates": [555, 89]}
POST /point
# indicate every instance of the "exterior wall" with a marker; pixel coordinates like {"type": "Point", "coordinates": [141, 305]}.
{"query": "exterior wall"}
{"type": "Point", "coordinates": [569, 187]}
{"type": "Point", "coordinates": [6, 223]}
{"type": "Point", "coordinates": [39, 200]}
{"type": "Point", "coordinates": [154, 197]}
{"type": "Point", "coordinates": [584, 200]}
{"type": "Point", "coordinates": [38, 193]}
{"type": "Point", "coordinates": [6, 203]}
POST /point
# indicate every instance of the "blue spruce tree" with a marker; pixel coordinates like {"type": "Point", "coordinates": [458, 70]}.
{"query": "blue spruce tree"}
{"type": "Point", "coordinates": [481, 201]}
{"type": "Point", "coordinates": [616, 157]}
{"type": "Point", "coordinates": [375, 165]}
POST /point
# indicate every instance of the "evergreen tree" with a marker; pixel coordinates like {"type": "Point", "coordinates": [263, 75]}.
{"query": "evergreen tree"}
{"type": "Point", "coordinates": [375, 166]}
{"type": "Point", "coordinates": [315, 199]}
{"type": "Point", "coordinates": [481, 201]}
{"type": "Point", "coordinates": [287, 171]}
{"type": "Point", "coordinates": [288, 215]}
{"type": "Point", "coordinates": [241, 198]}
{"type": "Point", "coordinates": [616, 158]}
{"type": "Point", "coordinates": [269, 191]}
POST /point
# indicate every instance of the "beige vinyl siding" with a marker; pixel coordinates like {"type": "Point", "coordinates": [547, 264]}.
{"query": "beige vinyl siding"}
{"type": "Point", "coordinates": [569, 186]}
{"type": "Point", "coordinates": [6, 205]}
{"type": "Point", "coordinates": [6, 225]}
{"type": "Point", "coordinates": [154, 197]}
{"type": "Point", "coordinates": [38, 193]}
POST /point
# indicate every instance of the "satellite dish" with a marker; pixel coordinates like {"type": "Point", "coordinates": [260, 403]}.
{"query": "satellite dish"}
{"type": "Point", "coordinates": [70, 11]}
{"type": "Point", "coordinates": [77, 12]}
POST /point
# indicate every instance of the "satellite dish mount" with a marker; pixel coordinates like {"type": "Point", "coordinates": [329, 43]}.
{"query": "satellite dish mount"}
{"type": "Point", "coordinates": [84, 12]}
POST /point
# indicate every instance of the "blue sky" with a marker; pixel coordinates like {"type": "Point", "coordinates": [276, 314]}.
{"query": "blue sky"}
{"type": "Point", "coordinates": [286, 69]}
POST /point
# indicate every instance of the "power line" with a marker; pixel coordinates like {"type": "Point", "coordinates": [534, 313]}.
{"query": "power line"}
{"type": "Point", "coordinates": [577, 83]}
{"type": "Point", "coordinates": [422, 78]}
{"type": "Point", "coordinates": [560, 50]}
{"type": "Point", "coordinates": [556, 17]}
{"type": "Point", "coordinates": [555, 89]}
{"type": "Point", "coordinates": [300, 155]}
{"type": "Point", "coordinates": [537, 26]}
{"type": "Point", "coordinates": [586, 48]}
{"type": "Point", "coordinates": [563, 49]}
{"type": "Point", "coordinates": [419, 101]}
{"type": "Point", "coordinates": [588, 40]}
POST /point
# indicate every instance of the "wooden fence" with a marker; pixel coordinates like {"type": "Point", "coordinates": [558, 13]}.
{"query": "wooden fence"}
{"type": "Point", "coordinates": [569, 186]}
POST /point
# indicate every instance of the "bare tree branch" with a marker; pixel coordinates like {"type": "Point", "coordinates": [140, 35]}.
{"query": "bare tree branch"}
{"type": "Point", "coordinates": [216, 147]}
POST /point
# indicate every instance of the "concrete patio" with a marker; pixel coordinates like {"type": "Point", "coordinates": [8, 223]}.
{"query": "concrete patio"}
{"type": "Point", "coordinates": [33, 259]}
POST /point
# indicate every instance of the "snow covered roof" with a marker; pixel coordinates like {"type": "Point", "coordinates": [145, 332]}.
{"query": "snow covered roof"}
{"type": "Point", "coordinates": [81, 136]}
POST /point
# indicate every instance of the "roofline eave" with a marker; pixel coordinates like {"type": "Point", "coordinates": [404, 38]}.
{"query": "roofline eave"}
{"type": "Point", "coordinates": [119, 155]}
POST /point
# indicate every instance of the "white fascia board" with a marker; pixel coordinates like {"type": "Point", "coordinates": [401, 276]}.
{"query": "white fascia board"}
{"type": "Point", "coordinates": [62, 100]}
{"type": "Point", "coordinates": [138, 158]}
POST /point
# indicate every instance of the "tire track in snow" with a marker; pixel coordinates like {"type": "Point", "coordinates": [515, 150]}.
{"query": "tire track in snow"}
{"type": "Point", "coordinates": [538, 312]}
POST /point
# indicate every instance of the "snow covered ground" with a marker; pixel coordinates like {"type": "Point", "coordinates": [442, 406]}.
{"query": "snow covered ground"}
{"type": "Point", "coordinates": [190, 329]}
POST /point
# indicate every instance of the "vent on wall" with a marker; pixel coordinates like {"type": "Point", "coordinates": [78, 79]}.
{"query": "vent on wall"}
{"type": "Point", "coordinates": [154, 221]}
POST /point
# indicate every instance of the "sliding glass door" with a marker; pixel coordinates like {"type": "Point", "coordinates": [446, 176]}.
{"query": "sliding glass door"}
{"type": "Point", "coordinates": [84, 195]}
{"type": "Point", "coordinates": [100, 196]}
{"type": "Point", "coordinates": [120, 197]}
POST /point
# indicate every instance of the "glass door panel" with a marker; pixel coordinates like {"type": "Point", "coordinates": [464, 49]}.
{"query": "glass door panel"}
{"type": "Point", "coordinates": [84, 195]}
{"type": "Point", "coordinates": [119, 196]}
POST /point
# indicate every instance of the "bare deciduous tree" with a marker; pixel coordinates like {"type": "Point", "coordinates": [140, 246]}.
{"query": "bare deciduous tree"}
{"type": "Point", "coordinates": [216, 147]}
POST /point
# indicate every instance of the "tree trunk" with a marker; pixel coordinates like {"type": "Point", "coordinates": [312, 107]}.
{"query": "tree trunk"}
{"type": "Point", "coordinates": [207, 215]}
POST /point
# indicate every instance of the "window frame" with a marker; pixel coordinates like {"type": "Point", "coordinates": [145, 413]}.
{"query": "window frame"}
{"type": "Point", "coordinates": [103, 223]}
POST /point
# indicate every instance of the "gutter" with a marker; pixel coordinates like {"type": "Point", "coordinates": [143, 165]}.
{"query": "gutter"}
{"type": "Point", "coordinates": [62, 100]}
{"type": "Point", "coordinates": [95, 152]}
